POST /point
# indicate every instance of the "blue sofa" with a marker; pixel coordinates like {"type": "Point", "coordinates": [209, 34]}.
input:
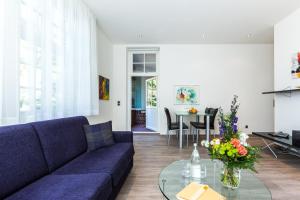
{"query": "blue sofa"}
{"type": "Point", "coordinates": [49, 160]}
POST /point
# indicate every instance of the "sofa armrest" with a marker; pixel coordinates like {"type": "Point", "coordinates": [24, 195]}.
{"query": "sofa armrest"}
{"type": "Point", "coordinates": [123, 136]}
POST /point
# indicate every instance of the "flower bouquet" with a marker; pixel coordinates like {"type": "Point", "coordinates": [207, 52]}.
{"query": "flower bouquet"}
{"type": "Point", "coordinates": [232, 148]}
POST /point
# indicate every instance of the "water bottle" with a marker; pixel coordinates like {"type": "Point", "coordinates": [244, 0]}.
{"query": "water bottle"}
{"type": "Point", "coordinates": [195, 163]}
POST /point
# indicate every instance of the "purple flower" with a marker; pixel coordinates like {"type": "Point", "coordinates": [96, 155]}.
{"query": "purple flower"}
{"type": "Point", "coordinates": [221, 132]}
{"type": "Point", "coordinates": [235, 120]}
{"type": "Point", "coordinates": [235, 128]}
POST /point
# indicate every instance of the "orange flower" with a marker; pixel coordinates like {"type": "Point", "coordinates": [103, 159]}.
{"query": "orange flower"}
{"type": "Point", "coordinates": [235, 142]}
{"type": "Point", "coordinates": [242, 150]}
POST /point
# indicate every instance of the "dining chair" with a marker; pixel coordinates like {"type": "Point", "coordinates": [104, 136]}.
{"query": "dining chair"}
{"type": "Point", "coordinates": [175, 127]}
{"type": "Point", "coordinates": [197, 126]}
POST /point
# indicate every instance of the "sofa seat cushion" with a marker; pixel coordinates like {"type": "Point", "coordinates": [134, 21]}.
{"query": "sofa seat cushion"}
{"type": "Point", "coordinates": [67, 187]}
{"type": "Point", "coordinates": [21, 158]}
{"type": "Point", "coordinates": [113, 160]}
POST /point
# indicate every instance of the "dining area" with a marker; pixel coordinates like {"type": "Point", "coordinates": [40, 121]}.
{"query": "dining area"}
{"type": "Point", "coordinates": [189, 123]}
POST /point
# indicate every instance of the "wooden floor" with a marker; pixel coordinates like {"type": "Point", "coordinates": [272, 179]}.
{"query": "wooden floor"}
{"type": "Point", "coordinates": [281, 176]}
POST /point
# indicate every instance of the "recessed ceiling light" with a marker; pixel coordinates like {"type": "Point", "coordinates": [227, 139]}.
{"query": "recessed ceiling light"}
{"type": "Point", "coordinates": [140, 36]}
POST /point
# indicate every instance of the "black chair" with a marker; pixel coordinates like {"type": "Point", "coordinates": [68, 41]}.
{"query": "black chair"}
{"type": "Point", "coordinates": [197, 126]}
{"type": "Point", "coordinates": [174, 126]}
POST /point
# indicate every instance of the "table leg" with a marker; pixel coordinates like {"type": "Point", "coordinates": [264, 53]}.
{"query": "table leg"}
{"type": "Point", "coordinates": [193, 133]}
{"type": "Point", "coordinates": [207, 128]}
{"type": "Point", "coordinates": [180, 130]}
{"type": "Point", "coordinates": [268, 145]}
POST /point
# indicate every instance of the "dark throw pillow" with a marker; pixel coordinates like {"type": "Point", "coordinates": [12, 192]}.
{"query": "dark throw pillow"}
{"type": "Point", "coordinates": [99, 135]}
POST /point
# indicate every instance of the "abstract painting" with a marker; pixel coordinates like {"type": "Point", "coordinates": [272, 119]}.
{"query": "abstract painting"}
{"type": "Point", "coordinates": [103, 88]}
{"type": "Point", "coordinates": [296, 65]}
{"type": "Point", "coordinates": [187, 94]}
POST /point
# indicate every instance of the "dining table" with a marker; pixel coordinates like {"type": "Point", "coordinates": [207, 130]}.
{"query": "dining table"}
{"type": "Point", "coordinates": [181, 114]}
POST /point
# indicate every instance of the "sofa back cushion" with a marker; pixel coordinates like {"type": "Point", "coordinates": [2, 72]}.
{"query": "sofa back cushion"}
{"type": "Point", "coordinates": [99, 135]}
{"type": "Point", "coordinates": [62, 139]}
{"type": "Point", "coordinates": [21, 158]}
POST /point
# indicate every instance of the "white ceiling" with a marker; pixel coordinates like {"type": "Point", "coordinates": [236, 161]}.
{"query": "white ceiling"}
{"type": "Point", "coordinates": [190, 21]}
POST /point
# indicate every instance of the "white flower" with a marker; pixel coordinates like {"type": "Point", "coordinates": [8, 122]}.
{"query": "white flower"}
{"type": "Point", "coordinates": [212, 143]}
{"type": "Point", "coordinates": [243, 138]}
{"type": "Point", "coordinates": [217, 141]}
{"type": "Point", "coordinates": [206, 144]}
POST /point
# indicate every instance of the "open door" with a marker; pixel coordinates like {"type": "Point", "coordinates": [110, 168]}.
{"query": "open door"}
{"type": "Point", "coordinates": [151, 104]}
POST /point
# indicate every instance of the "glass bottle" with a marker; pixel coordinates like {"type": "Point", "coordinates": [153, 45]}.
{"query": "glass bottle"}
{"type": "Point", "coordinates": [195, 163]}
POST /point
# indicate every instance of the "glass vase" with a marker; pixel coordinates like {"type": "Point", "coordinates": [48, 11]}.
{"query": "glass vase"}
{"type": "Point", "coordinates": [195, 163]}
{"type": "Point", "coordinates": [231, 177]}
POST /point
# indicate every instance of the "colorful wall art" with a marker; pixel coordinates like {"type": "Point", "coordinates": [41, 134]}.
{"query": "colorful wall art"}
{"type": "Point", "coordinates": [103, 88]}
{"type": "Point", "coordinates": [187, 94]}
{"type": "Point", "coordinates": [296, 65]}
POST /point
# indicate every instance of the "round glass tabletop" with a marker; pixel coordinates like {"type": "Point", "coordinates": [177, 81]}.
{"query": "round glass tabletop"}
{"type": "Point", "coordinates": [171, 181]}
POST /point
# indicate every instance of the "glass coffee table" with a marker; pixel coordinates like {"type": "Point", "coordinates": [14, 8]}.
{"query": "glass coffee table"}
{"type": "Point", "coordinates": [171, 181]}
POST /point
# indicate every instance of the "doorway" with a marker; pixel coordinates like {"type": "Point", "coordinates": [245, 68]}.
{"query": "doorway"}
{"type": "Point", "coordinates": [142, 90]}
{"type": "Point", "coordinates": [144, 108]}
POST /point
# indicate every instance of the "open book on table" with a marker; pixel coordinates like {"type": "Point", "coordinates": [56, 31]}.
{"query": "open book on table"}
{"type": "Point", "coordinates": [196, 191]}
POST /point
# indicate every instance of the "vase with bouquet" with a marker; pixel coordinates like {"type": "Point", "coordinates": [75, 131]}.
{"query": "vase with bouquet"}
{"type": "Point", "coordinates": [232, 148]}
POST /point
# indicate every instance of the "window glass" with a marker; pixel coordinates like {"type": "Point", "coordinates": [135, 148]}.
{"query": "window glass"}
{"type": "Point", "coordinates": [150, 67]}
{"type": "Point", "coordinates": [151, 93]}
{"type": "Point", "coordinates": [138, 58]}
{"type": "Point", "coordinates": [138, 67]}
{"type": "Point", "coordinates": [150, 57]}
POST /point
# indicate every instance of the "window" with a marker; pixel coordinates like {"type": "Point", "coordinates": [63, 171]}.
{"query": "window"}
{"type": "Point", "coordinates": [144, 62]}
{"type": "Point", "coordinates": [151, 88]}
{"type": "Point", "coordinates": [32, 56]}
{"type": "Point", "coordinates": [52, 45]}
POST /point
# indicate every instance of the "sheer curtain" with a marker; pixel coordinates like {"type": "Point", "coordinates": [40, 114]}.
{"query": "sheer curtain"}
{"type": "Point", "coordinates": [52, 72]}
{"type": "Point", "coordinates": [9, 112]}
{"type": "Point", "coordinates": [1, 54]}
{"type": "Point", "coordinates": [82, 24]}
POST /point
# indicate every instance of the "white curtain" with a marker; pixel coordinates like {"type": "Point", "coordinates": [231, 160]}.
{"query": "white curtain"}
{"type": "Point", "coordinates": [48, 61]}
{"type": "Point", "coordinates": [9, 112]}
{"type": "Point", "coordinates": [82, 24]}
{"type": "Point", "coordinates": [1, 54]}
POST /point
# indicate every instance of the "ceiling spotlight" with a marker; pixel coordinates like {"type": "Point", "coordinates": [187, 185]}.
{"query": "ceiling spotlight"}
{"type": "Point", "coordinates": [140, 36]}
{"type": "Point", "coordinates": [250, 35]}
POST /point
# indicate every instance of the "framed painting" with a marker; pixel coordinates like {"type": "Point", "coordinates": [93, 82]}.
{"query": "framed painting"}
{"type": "Point", "coordinates": [187, 94]}
{"type": "Point", "coordinates": [103, 88]}
{"type": "Point", "coordinates": [296, 66]}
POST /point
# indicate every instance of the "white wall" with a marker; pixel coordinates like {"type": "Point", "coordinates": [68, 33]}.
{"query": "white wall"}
{"type": "Point", "coordinates": [105, 68]}
{"type": "Point", "coordinates": [220, 70]}
{"type": "Point", "coordinates": [119, 87]}
{"type": "Point", "coordinates": [286, 43]}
